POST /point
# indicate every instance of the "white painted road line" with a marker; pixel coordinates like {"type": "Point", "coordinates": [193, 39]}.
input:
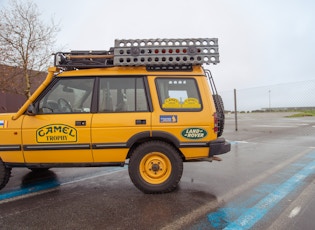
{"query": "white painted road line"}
{"type": "Point", "coordinates": [207, 207]}
{"type": "Point", "coordinates": [295, 212]}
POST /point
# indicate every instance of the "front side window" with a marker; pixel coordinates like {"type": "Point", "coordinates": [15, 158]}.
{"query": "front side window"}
{"type": "Point", "coordinates": [178, 94]}
{"type": "Point", "coordinates": [68, 95]}
{"type": "Point", "coordinates": [122, 94]}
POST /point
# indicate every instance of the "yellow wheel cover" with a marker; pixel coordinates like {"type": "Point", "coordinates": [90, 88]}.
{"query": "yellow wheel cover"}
{"type": "Point", "coordinates": [155, 168]}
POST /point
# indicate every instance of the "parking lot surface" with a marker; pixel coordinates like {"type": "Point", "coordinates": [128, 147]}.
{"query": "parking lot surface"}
{"type": "Point", "coordinates": [266, 181]}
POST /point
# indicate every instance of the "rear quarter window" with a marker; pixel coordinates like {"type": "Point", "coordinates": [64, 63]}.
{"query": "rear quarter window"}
{"type": "Point", "coordinates": [178, 94]}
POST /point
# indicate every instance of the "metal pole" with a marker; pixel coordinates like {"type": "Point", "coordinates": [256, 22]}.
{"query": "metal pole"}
{"type": "Point", "coordinates": [269, 100]}
{"type": "Point", "coordinates": [235, 110]}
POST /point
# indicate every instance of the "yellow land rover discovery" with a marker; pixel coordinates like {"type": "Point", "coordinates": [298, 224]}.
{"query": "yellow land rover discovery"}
{"type": "Point", "coordinates": [148, 103]}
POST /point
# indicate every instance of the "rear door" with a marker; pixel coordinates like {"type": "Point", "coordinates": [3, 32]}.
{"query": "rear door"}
{"type": "Point", "coordinates": [124, 114]}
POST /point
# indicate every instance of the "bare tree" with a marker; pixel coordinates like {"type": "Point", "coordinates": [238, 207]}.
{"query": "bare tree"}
{"type": "Point", "coordinates": [25, 41]}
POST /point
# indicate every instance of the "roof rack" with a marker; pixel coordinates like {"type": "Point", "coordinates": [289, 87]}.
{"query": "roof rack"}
{"type": "Point", "coordinates": [144, 52]}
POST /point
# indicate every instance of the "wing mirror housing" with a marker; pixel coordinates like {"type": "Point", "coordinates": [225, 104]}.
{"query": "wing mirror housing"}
{"type": "Point", "coordinates": [31, 111]}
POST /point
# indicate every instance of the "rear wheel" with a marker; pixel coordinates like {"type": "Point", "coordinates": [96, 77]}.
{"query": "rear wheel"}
{"type": "Point", "coordinates": [155, 167]}
{"type": "Point", "coordinates": [5, 174]}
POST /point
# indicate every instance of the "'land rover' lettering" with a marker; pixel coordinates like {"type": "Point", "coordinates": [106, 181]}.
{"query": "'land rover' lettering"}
{"type": "Point", "coordinates": [194, 133]}
{"type": "Point", "coordinates": [56, 133]}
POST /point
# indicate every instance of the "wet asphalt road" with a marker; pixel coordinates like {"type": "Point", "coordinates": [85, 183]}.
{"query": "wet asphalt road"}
{"type": "Point", "coordinates": [266, 181]}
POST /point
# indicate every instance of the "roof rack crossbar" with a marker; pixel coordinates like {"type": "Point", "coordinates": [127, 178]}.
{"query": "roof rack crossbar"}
{"type": "Point", "coordinates": [88, 56]}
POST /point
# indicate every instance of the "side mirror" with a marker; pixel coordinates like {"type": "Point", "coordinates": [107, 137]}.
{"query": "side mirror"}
{"type": "Point", "coordinates": [31, 111]}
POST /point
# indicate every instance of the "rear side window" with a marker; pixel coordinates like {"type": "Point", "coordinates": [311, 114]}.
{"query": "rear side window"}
{"type": "Point", "coordinates": [178, 94]}
{"type": "Point", "coordinates": [122, 94]}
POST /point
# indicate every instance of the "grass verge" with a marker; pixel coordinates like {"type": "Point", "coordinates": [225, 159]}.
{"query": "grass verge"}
{"type": "Point", "coordinates": [306, 113]}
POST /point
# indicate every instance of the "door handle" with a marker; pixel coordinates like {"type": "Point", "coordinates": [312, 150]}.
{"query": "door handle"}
{"type": "Point", "coordinates": [141, 122]}
{"type": "Point", "coordinates": [80, 123]}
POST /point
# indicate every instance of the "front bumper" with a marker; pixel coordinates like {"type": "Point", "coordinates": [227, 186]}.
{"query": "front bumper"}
{"type": "Point", "coordinates": [219, 146]}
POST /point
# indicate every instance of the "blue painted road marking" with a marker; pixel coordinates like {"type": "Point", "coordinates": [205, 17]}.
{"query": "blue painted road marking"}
{"type": "Point", "coordinates": [256, 213]}
{"type": "Point", "coordinates": [53, 183]}
{"type": "Point", "coordinates": [245, 212]}
{"type": "Point", "coordinates": [30, 189]}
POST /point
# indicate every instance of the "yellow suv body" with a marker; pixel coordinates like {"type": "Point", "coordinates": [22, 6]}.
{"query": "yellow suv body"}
{"type": "Point", "coordinates": [153, 117]}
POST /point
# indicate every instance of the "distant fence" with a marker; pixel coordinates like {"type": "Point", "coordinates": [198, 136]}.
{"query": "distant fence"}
{"type": "Point", "coordinates": [273, 97]}
{"type": "Point", "coordinates": [11, 102]}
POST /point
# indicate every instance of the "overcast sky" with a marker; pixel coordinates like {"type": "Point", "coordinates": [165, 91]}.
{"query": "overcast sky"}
{"type": "Point", "coordinates": [261, 42]}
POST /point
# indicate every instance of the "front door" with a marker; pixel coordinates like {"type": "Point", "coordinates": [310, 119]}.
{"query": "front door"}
{"type": "Point", "coordinates": [60, 131]}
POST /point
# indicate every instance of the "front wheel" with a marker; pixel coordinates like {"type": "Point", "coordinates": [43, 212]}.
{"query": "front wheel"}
{"type": "Point", "coordinates": [5, 174]}
{"type": "Point", "coordinates": [155, 167]}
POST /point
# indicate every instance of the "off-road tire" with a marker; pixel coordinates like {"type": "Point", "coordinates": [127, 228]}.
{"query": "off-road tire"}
{"type": "Point", "coordinates": [5, 174]}
{"type": "Point", "coordinates": [219, 106]}
{"type": "Point", "coordinates": [155, 167]}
